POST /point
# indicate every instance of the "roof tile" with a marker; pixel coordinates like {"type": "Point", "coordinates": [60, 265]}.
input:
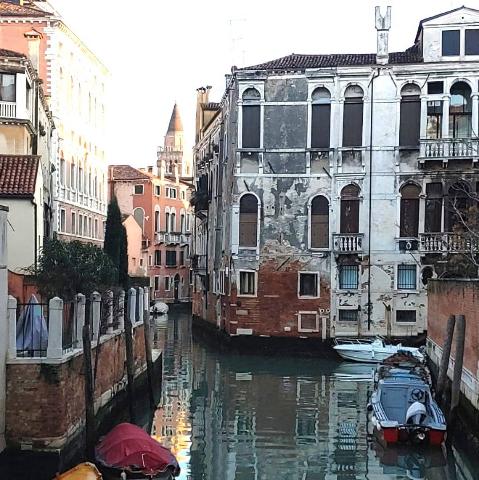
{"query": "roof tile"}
{"type": "Point", "coordinates": [10, 9]}
{"type": "Point", "coordinates": [18, 175]}
{"type": "Point", "coordinates": [125, 172]}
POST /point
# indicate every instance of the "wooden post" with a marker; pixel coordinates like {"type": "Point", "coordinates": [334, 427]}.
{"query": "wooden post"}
{"type": "Point", "coordinates": [148, 353]}
{"type": "Point", "coordinates": [458, 362]}
{"type": "Point", "coordinates": [446, 353]}
{"type": "Point", "coordinates": [130, 360]}
{"type": "Point", "coordinates": [89, 390]}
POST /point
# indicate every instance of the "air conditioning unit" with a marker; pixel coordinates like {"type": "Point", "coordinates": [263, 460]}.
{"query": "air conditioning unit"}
{"type": "Point", "coordinates": [408, 245]}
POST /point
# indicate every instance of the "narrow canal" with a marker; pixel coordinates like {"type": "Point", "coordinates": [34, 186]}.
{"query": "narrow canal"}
{"type": "Point", "coordinates": [234, 417]}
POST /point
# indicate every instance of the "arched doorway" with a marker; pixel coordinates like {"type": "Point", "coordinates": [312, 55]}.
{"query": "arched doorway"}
{"type": "Point", "coordinates": [176, 281]}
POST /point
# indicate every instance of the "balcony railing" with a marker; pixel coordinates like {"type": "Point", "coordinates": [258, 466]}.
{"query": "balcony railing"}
{"type": "Point", "coordinates": [348, 242]}
{"type": "Point", "coordinates": [172, 238]}
{"type": "Point", "coordinates": [8, 109]}
{"type": "Point", "coordinates": [447, 243]}
{"type": "Point", "coordinates": [444, 148]}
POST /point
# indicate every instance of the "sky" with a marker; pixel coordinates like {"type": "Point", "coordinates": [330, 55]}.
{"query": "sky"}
{"type": "Point", "coordinates": [159, 51]}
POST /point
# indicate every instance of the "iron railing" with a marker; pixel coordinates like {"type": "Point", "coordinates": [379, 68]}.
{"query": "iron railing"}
{"type": "Point", "coordinates": [32, 329]}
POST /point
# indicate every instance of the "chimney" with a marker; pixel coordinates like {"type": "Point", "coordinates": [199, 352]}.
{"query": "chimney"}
{"type": "Point", "coordinates": [383, 24]}
{"type": "Point", "coordinates": [150, 168]}
{"type": "Point", "coordinates": [202, 96]}
{"type": "Point", "coordinates": [33, 38]}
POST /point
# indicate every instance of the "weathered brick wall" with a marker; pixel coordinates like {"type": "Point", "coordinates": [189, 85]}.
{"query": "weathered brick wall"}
{"type": "Point", "coordinates": [455, 297]}
{"type": "Point", "coordinates": [44, 401]}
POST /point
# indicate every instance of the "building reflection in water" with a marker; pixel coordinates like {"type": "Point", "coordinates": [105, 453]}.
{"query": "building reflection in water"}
{"type": "Point", "coordinates": [234, 417]}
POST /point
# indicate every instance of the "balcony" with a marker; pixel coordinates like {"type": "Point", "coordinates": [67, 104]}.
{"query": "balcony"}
{"type": "Point", "coordinates": [173, 238]}
{"type": "Point", "coordinates": [447, 243]}
{"type": "Point", "coordinates": [446, 148]}
{"type": "Point", "coordinates": [8, 109]}
{"type": "Point", "coordinates": [198, 262]}
{"type": "Point", "coordinates": [348, 243]}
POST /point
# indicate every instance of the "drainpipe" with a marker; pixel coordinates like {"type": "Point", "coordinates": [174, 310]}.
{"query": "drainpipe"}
{"type": "Point", "coordinates": [370, 194]}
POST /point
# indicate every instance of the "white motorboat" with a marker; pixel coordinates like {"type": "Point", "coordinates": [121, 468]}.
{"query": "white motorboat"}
{"type": "Point", "coordinates": [371, 351]}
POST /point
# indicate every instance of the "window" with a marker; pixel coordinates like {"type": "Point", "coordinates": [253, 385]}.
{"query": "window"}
{"type": "Point", "coordinates": [248, 226]}
{"type": "Point", "coordinates": [74, 223]}
{"type": "Point", "coordinates": [308, 322]}
{"type": "Point", "coordinates": [308, 284]}
{"type": "Point", "coordinates": [157, 282]}
{"type": "Point", "coordinates": [348, 277]}
{"type": "Point", "coordinates": [138, 189]}
{"type": "Point", "coordinates": [458, 205]}
{"type": "Point", "coordinates": [139, 216]}
{"type": "Point", "coordinates": [72, 176]}
{"type": "Point", "coordinates": [247, 283]}
{"type": "Point", "coordinates": [62, 171]}
{"type": "Point", "coordinates": [80, 224]}
{"type": "Point", "coordinates": [406, 277]}
{"type": "Point", "coordinates": [434, 88]}
{"type": "Point", "coordinates": [157, 190]}
{"type": "Point", "coordinates": [450, 43]}
{"type": "Point", "coordinates": [62, 221]}
{"type": "Point", "coordinates": [167, 221]}
{"type": "Point", "coordinates": [406, 316]}
{"type": "Point", "coordinates": [173, 222]}
{"type": "Point", "coordinates": [434, 119]}
{"type": "Point", "coordinates": [157, 257]}
{"type": "Point", "coordinates": [320, 118]}
{"type": "Point", "coordinates": [7, 87]}
{"type": "Point", "coordinates": [409, 216]}
{"type": "Point", "coordinates": [320, 222]}
{"type": "Point", "coordinates": [349, 209]}
{"type": "Point", "coordinates": [170, 192]}
{"type": "Point", "coordinates": [472, 42]}
{"type": "Point", "coordinates": [171, 258]}
{"type": "Point", "coordinates": [353, 117]}
{"type": "Point", "coordinates": [167, 283]}
{"type": "Point", "coordinates": [141, 262]}
{"type": "Point", "coordinates": [183, 195]}
{"type": "Point", "coordinates": [433, 210]}
{"type": "Point", "coordinates": [182, 257]}
{"type": "Point", "coordinates": [348, 315]}
{"type": "Point", "coordinates": [410, 116]}
{"type": "Point", "coordinates": [182, 223]}
{"type": "Point", "coordinates": [460, 111]}
{"type": "Point", "coordinates": [157, 220]}
{"type": "Point", "coordinates": [251, 119]}
{"type": "Point", "coordinates": [150, 260]}
{"type": "Point", "coordinates": [95, 232]}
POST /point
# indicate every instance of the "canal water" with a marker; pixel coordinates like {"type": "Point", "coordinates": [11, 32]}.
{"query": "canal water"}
{"type": "Point", "coordinates": [228, 416]}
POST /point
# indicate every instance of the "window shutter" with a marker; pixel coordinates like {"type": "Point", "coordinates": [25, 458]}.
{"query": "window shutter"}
{"type": "Point", "coordinates": [353, 124]}
{"type": "Point", "coordinates": [410, 122]}
{"type": "Point", "coordinates": [320, 125]}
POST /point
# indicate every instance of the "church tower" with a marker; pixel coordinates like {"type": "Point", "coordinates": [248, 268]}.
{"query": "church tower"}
{"type": "Point", "coordinates": [170, 156]}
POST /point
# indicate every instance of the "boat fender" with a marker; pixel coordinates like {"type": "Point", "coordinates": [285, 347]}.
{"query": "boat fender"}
{"type": "Point", "coordinates": [123, 476]}
{"type": "Point", "coordinates": [416, 413]}
{"type": "Point", "coordinates": [369, 407]}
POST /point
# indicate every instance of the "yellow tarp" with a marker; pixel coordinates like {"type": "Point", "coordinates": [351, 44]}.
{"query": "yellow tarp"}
{"type": "Point", "coordinates": [84, 471]}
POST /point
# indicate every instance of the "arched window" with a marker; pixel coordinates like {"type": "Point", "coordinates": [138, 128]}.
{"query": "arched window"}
{"type": "Point", "coordinates": [433, 210]}
{"type": "Point", "coordinates": [459, 202]}
{"type": "Point", "coordinates": [460, 111]}
{"type": "Point", "coordinates": [139, 216]}
{"type": "Point", "coordinates": [410, 116]}
{"type": "Point", "coordinates": [353, 116]}
{"type": "Point", "coordinates": [320, 118]}
{"type": "Point", "coordinates": [248, 226]}
{"type": "Point", "coordinates": [350, 209]}
{"type": "Point", "coordinates": [167, 221]}
{"type": "Point", "coordinates": [173, 221]}
{"type": "Point", "coordinates": [157, 220]}
{"type": "Point", "coordinates": [319, 222]}
{"type": "Point", "coordinates": [409, 216]}
{"type": "Point", "coordinates": [251, 119]}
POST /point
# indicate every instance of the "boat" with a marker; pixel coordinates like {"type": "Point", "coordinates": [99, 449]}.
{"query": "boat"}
{"type": "Point", "coordinates": [128, 452]}
{"type": "Point", "coordinates": [84, 471]}
{"type": "Point", "coordinates": [159, 308]}
{"type": "Point", "coordinates": [402, 407]}
{"type": "Point", "coordinates": [371, 351]}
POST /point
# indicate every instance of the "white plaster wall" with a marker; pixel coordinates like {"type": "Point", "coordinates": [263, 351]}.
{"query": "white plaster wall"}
{"type": "Point", "coordinates": [3, 319]}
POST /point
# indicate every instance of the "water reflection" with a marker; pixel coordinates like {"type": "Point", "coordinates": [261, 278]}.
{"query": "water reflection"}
{"type": "Point", "coordinates": [234, 417]}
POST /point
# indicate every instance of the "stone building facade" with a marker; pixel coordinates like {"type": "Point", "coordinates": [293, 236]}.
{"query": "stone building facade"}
{"type": "Point", "coordinates": [75, 83]}
{"type": "Point", "coordinates": [330, 187]}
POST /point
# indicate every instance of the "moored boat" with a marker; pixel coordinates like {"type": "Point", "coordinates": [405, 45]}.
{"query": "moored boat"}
{"type": "Point", "coordinates": [403, 408]}
{"type": "Point", "coordinates": [84, 471]}
{"type": "Point", "coordinates": [371, 351]}
{"type": "Point", "coordinates": [128, 452]}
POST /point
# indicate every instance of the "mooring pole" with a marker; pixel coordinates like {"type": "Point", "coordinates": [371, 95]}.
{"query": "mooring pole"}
{"type": "Point", "coordinates": [89, 387]}
{"type": "Point", "coordinates": [130, 361]}
{"type": "Point", "coordinates": [458, 362]}
{"type": "Point", "coordinates": [446, 354]}
{"type": "Point", "coordinates": [148, 347]}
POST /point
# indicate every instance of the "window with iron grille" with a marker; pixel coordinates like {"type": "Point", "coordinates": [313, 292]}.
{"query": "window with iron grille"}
{"type": "Point", "coordinates": [406, 316]}
{"type": "Point", "coordinates": [406, 279]}
{"type": "Point", "coordinates": [171, 258]}
{"type": "Point", "coordinates": [346, 315]}
{"type": "Point", "coordinates": [348, 277]}
{"type": "Point", "coordinates": [308, 284]}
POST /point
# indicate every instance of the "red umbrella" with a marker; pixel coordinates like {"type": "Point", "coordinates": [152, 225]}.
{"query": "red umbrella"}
{"type": "Point", "coordinates": [128, 447]}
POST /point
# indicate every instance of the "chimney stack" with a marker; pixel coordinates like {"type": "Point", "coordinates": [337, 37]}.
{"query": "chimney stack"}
{"type": "Point", "coordinates": [383, 24]}
{"type": "Point", "coordinates": [33, 38]}
{"type": "Point", "coordinates": [202, 96]}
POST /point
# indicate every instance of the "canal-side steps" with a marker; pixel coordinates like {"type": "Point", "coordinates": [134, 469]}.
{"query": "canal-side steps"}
{"type": "Point", "coordinates": [46, 387]}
